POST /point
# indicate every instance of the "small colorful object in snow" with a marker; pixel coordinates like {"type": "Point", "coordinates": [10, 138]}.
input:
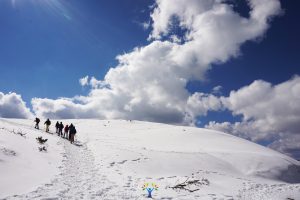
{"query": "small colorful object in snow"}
{"type": "Point", "coordinates": [150, 187]}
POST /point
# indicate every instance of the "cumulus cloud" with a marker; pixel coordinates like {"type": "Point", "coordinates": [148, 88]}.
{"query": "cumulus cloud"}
{"type": "Point", "coordinates": [199, 104]}
{"type": "Point", "coordinates": [62, 108]}
{"type": "Point", "coordinates": [93, 82]}
{"type": "Point", "coordinates": [217, 89]}
{"type": "Point", "coordinates": [96, 84]}
{"type": "Point", "coordinates": [269, 113]}
{"type": "Point", "coordinates": [149, 83]}
{"type": "Point", "coordinates": [146, 25]}
{"type": "Point", "coordinates": [12, 106]}
{"type": "Point", "coordinates": [84, 81]}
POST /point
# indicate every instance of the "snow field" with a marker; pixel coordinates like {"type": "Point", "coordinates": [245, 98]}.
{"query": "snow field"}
{"type": "Point", "coordinates": [113, 159]}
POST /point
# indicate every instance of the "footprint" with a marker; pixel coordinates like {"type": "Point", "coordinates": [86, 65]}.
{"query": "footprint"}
{"type": "Point", "coordinates": [136, 159]}
{"type": "Point", "coordinates": [8, 152]}
{"type": "Point", "coordinates": [122, 162]}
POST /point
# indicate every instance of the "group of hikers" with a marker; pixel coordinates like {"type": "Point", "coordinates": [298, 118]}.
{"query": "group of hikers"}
{"type": "Point", "coordinates": [69, 130]}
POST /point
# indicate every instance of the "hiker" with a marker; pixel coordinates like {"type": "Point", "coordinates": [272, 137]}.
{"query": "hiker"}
{"type": "Point", "coordinates": [47, 123]}
{"type": "Point", "coordinates": [72, 133]}
{"type": "Point", "coordinates": [60, 128]}
{"type": "Point", "coordinates": [37, 121]}
{"type": "Point", "coordinates": [57, 127]}
{"type": "Point", "coordinates": [70, 127]}
{"type": "Point", "coordinates": [66, 132]}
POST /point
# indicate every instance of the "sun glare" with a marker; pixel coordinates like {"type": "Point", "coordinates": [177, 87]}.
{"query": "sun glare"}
{"type": "Point", "coordinates": [13, 3]}
{"type": "Point", "coordinates": [55, 7]}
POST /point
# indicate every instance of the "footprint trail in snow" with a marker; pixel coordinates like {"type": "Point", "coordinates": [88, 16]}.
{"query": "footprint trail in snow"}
{"type": "Point", "coordinates": [79, 178]}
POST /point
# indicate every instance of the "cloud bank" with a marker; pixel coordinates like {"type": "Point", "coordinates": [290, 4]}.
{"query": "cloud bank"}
{"type": "Point", "coordinates": [269, 114]}
{"type": "Point", "coordinates": [149, 83]}
{"type": "Point", "coordinates": [12, 106]}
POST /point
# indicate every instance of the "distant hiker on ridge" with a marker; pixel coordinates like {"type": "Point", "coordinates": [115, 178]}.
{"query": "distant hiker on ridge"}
{"type": "Point", "coordinates": [66, 135]}
{"type": "Point", "coordinates": [60, 128]}
{"type": "Point", "coordinates": [57, 127]}
{"type": "Point", "coordinates": [37, 121]}
{"type": "Point", "coordinates": [47, 123]}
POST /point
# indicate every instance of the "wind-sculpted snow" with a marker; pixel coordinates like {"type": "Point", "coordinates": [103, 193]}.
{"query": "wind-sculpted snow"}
{"type": "Point", "coordinates": [114, 159]}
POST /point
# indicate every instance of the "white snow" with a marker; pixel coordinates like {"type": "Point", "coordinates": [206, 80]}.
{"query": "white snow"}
{"type": "Point", "coordinates": [113, 159]}
{"type": "Point", "coordinates": [22, 166]}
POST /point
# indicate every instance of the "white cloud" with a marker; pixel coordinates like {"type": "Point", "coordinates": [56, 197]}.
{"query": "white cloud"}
{"type": "Point", "coordinates": [12, 106]}
{"type": "Point", "coordinates": [273, 108]}
{"type": "Point", "coordinates": [146, 25]}
{"type": "Point", "coordinates": [199, 104]}
{"type": "Point", "coordinates": [217, 89]}
{"type": "Point", "coordinates": [149, 83]}
{"type": "Point", "coordinates": [270, 113]}
{"type": "Point", "coordinates": [96, 84]}
{"type": "Point", "coordinates": [93, 82]}
{"type": "Point", "coordinates": [84, 81]}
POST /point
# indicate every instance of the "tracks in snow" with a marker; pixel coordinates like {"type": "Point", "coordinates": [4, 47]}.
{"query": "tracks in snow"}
{"type": "Point", "coordinates": [80, 178]}
{"type": "Point", "coordinates": [255, 191]}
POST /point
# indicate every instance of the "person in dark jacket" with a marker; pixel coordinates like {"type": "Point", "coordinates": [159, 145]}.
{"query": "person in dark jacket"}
{"type": "Point", "coordinates": [60, 128]}
{"type": "Point", "coordinates": [37, 121]}
{"type": "Point", "coordinates": [47, 123]}
{"type": "Point", "coordinates": [66, 130]}
{"type": "Point", "coordinates": [70, 127]}
{"type": "Point", "coordinates": [57, 127]}
{"type": "Point", "coordinates": [72, 132]}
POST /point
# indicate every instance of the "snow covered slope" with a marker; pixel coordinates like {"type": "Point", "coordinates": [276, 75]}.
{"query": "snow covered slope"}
{"type": "Point", "coordinates": [113, 159]}
{"type": "Point", "coordinates": [22, 166]}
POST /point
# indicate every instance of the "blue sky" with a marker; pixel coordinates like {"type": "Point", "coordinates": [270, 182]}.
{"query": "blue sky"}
{"type": "Point", "coordinates": [250, 53]}
{"type": "Point", "coordinates": [55, 51]}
